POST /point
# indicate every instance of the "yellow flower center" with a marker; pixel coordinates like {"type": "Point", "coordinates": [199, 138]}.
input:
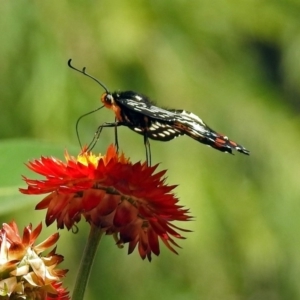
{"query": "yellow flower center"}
{"type": "Point", "coordinates": [86, 159]}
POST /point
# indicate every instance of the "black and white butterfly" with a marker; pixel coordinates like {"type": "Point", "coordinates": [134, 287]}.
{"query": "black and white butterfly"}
{"type": "Point", "coordinates": [138, 113]}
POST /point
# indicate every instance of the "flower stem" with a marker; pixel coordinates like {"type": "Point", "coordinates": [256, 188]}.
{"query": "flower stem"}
{"type": "Point", "coordinates": [86, 262]}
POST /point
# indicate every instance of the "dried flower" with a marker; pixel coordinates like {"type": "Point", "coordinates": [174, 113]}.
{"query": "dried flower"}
{"type": "Point", "coordinates": [25, 272]}
{"type": "Point", "coordinates": [130, 201]}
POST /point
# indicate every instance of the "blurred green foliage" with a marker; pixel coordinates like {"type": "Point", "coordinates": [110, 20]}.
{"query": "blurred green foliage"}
{"type": "Point", "coordinates": [234, 63]}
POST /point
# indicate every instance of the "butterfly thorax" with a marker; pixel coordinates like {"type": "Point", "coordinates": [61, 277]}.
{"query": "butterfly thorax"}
{"type": "Point", "coordinates": [132, 118]}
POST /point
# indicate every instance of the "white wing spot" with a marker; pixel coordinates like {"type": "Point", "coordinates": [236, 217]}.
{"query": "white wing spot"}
{"type": "Point", "coordinates": [154, 127]}
{"type": "Point", "coordinates": [172, 130]}
{"type": "Point", "coordinates": [137, 97]}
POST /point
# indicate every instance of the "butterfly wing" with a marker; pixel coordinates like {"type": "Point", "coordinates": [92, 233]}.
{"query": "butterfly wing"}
{"type": "Point", "coordinates": [141, 115]}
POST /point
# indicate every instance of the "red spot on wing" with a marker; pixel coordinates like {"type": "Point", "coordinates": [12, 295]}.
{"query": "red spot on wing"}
{"type": "Point", "coordinates": [220, 141]}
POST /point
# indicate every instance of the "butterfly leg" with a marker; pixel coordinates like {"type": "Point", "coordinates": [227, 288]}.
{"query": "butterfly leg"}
{"type": "Point", "coordinates": [116, 136]}
{"type": "Point", "coordinates": [148, 149]}
{"type": "Point", "coordinates": [98, 132]}
{"type": "Point", "coordinates": [95, 139]}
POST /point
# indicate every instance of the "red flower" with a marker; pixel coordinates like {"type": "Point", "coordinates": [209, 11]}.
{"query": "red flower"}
{"type": "Point", "coordinates": [130, 201]}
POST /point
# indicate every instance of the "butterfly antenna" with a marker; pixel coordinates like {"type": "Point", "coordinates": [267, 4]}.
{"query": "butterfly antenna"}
{"type": "Point", "coordinates": [86, 74]}
{"type": "Point", "coordinates": [77, 123]}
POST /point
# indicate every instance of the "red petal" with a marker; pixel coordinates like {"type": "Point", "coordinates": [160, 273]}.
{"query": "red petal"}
{"type": "Point", "coordinates": [125, 214]}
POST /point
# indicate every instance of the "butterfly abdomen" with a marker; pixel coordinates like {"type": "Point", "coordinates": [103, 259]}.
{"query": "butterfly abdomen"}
{"type": "Point", "coordinates": [194, 127]}
{"type": "Point", "coordinates": [224, 144]}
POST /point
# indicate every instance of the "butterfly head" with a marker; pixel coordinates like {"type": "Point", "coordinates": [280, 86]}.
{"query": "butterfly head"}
{"type": "Point", "coordinates": [108, 100]}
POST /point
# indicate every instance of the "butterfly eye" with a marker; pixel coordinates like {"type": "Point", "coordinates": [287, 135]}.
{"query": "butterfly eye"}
{"type": "Point", "coordinates": [109, 99]}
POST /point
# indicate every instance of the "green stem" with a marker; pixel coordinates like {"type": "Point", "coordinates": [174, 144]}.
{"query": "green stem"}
{"type": "Point", "coordinates": [86, 263]}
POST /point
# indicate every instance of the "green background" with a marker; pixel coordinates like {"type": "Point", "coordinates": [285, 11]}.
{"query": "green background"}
{"type": "Point", "coordinates": [236, 64]}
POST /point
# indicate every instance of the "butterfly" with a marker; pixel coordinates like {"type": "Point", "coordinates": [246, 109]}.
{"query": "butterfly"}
{"type": "Point", "coordinates": [140, 114]}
